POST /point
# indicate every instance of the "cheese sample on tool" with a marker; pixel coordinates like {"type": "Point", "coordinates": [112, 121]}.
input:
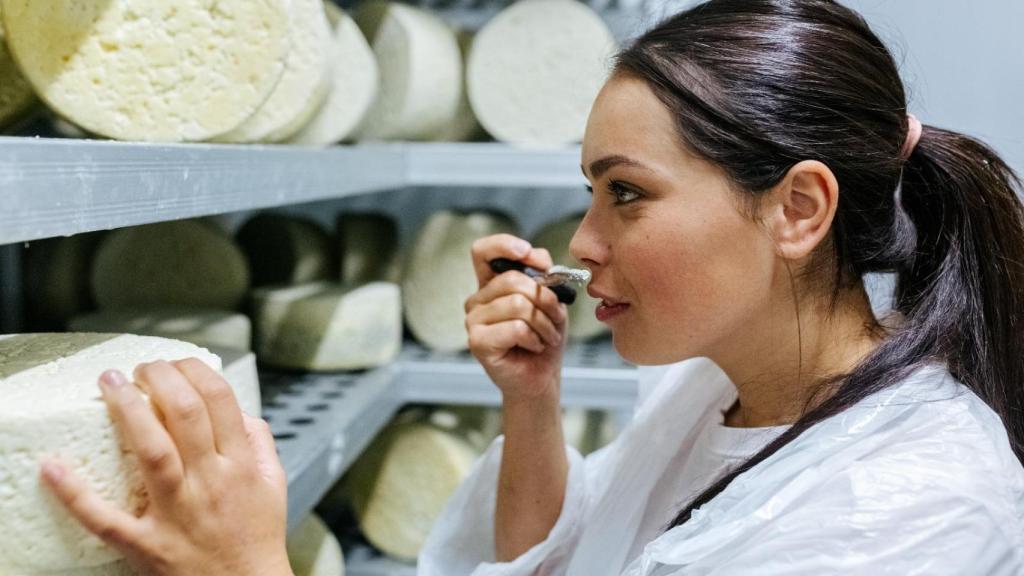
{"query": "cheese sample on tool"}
{"type": "Point", "coordinates": [163, 70]}
{"type": "Point", "coordinates": [201, 327]}
{"type": "Point", "coordinates": [304, 84]}
{"type": "Point", "coordinates": [52, 406]}
{"type": "Point", "coordinates": [535, 69]}
{"type": "Point", "coordinates": [439, 276]}
{"type": "Point", "coordinates": [17, 99]}
{"type": "Point", "coordinates": [314, 551]}
{"type": "Point", "coordinates": [420, 72]}
{"type": "Point", "coordinates": [284, 249]}
{"type": "Point", "coordinates": [355, 80]}
{"type": "Point", "coordinates": [555, 237]}
{"type": "Point", "coordinates": [187, 263]}
{"type": "Point", "coordinates": [324, 326]}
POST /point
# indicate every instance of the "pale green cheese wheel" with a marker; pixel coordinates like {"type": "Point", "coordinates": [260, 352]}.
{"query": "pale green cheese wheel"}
{"type": "Point", "coordinates": [324, 327]}
{"type": "Point", "coordinates": [182, 264]}
{"type": "Point", "coordinates": [439, 276]}
{"type": "Point", "coordinates": [368, 248]}
{"type": "Point", "coordinates": [283, 249]}
{"type": "Point", "coordinates": [314, 551]}
{"type": "Point", "coordinates": [555, 237]}
{"type": "Point", "coordinates": [17, 99]}
{"type": "Point", "coordinates": [207, 328]}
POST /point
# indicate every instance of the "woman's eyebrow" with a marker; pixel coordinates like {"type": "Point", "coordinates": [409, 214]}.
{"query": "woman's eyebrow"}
{"type": "Point", "coordinates": [599, 167]}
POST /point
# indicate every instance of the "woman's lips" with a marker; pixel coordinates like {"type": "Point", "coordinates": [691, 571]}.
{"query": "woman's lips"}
{"type": "Point", "coordinates": [606, 310]}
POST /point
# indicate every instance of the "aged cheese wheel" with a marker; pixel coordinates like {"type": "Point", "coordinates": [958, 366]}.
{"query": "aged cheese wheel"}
{"type": "Point", "coordinates": [583, 324]}
{"type": "Point", "coordinates": [183, 264]}
{"type": "Point", "coordinates": [17, 99]}
{"type": "Point", "coordinates": [369, 248]}
{"type": "Point", "coordinates": [56, 279]}
{"type": "Point", "coordinates": [165, 70]}
{"type": "Point", "coordinates": [304, 84]}
{"type": "Point", "coordinates": [323, 326]}
{"type": "Point", "coordinates": [439, 276]}
{"type": "Point", "coordinates": [535, 69]}
{"type": "Point", "coordinates": [202, 327]}
{"type": "Point", "coordinates": [420, 72]}
{"type": "Point", "coordinates": [355, 80]}
{"type": "Point", "coordinates": [314, 551]}
{"type": "Point", "coordinates": [51, 406]}
{"type": "Point", "coordinates": [465, 126]}
{"type": "Point", "coordinates": [285, 249]}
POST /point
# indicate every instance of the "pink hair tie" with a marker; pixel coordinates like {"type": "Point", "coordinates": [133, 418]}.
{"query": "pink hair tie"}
{"type": "Point", "coordinates": [913, 136]}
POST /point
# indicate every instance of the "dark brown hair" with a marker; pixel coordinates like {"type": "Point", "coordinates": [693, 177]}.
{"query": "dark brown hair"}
{"type": "Point", "coordinates": [759, 85]}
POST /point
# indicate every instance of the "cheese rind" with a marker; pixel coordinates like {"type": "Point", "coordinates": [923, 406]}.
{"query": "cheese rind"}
{"type": "Point", "coordinates": [535, 69]}
{"type": "Point", "coordinates": [324, 327]}
{"type": "Point", "coordinates": [163, 70]}
{"type": "Point", "coordinates": [314, 551]}
{"type": "Point", "coordinates": [52, 407]}
{"type": "Point", "coordinates": [355, 79]}
{"type": "Point", "coordinates": [207, 328]}
{"type": "Point", "coordinates": [17, 99]}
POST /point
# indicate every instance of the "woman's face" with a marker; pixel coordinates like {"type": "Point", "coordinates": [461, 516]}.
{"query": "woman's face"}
{"type": "Point", "coordinates": [682, 271]}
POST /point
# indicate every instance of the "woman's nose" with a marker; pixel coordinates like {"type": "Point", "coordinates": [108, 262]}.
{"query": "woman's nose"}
{"type": "Point", "coordinates": [585, 245]}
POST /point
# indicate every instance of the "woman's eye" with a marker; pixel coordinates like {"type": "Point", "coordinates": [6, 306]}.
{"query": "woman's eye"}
{"type": "Point", "coordinates": [622, 194]}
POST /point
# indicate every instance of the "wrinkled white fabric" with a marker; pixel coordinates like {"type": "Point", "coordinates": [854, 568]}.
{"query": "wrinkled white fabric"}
{"type": "Point", "coordinates": [916, 479]}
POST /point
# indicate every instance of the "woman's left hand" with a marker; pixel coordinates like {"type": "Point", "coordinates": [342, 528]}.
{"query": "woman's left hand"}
{"type": "Point", "coordinates": [216, 489]}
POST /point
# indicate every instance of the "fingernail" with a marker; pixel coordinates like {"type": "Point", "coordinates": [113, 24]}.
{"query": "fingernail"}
{"type": "Point", "coordinates": [113, 379]}
{"type": "Point", "coordinates": [53, 472]}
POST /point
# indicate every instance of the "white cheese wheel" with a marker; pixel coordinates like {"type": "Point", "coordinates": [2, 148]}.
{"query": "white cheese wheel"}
{"type": "Point", "coordinates": [201, 327]}
{"type": "Point", "coordinates": [535, 69]}
{"type": "Point", "coordinates": [304, 84]}
{"type": "Point", "coordinates": [56, 279]}
{"type": "Point", "coordinates": [355, 80]}
{"type": "Point", "coordinates": [439, 276]}
{"type": "Point", "coordinates": [402, 482]}
{"type": "Point", "coordinates": [52, 406]}
{"type": "Point", "coordinates": [183, 264]}
{"type": "Point", "coordinates": [164, 70]}
{"type": "Point", "coordinates": [556, 236]}
{"type": "Point", "coordinates": [314, 551]}
{"type": "Point", "coordinates": [17, 99]}
{"type": "Point", "coordinates": [242, 374]}
{"type": "Point", "coordinates": [464, 126]}
{"type": "Point", "coordinates": [323, 326]}
{"type": "Point", "coordinates": [420, 72]}
{"type": "Point", "coordinates": [368, 248]}
{"type": "Point", "coordinates": [284, 249]}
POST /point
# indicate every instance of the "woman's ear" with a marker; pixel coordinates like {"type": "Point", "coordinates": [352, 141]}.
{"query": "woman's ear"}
{"type": "Point", "coordinates": [801, 209]}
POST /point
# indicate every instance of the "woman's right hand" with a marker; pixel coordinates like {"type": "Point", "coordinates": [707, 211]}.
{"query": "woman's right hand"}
{"type": "Point", "coordinates": [517, 328]}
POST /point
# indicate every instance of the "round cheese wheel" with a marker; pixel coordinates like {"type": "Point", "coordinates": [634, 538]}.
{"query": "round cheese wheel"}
{"type": "Point", "coordinates": [17, 99]}
{"type": "Point", "coordinates": [184, 264]}
{"type": "Point", "coordinates": [464, 126]}
{"type": "Point", "coordinates": [304, 84]}
{"type": "Point", "coordinates": [420, 72]}
{"type": "Point", "coordinates": [164, 70]}
{"type": "Point", "coordinates": [314, 551]}
{"type": "Point", "coordinates": [535, 69]}
{"type": "Point", "coordinates": [355, 80]}
{"type": "Point", "coordinates": [556, 236]}
{"type": "Point", "coordinates": [52, 406]}
{"type": "Point", "coordinates": [56, 278]}
{"type": "Point", "coordinates": [439, 276]}
{"type": "Point", "coordinates": [284, 249]}
{"type": "Point", "coordinates": [207, 328]}
{"type": "Point", "coordinates": [323, 326]}
{"type": "Point", "coordinates": [369, 248]}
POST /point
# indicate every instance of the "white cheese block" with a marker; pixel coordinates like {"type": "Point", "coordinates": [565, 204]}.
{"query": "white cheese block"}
{"type": "Point", "coordinates": [304, 84]}
{"type": "Point", "coordinates": [165, 70]}
{"type": "Point", "coordinates": [284, 249]}
{"type": "Point", "coordinates": [465, 126]}
{"type": "Point", "coordinates": [202, 327]}
{"type": "Point", "coordinates": [183, 264]}
{"type": "Point", "coordinates": [314, 551]}
{"type": "Point", "coordinates": [52, 406]}
{"type": "Point", "coordinates": [535, 69]}
{"type": "Point", "coordinates": [368, 248]}
{"type": "Point", "coordinates": [355, 80]}
{"type": "Point", "coordinates": [556, 236]}
{"type": "Point", "coordinates": [56, 278]}
{"type": "Point", "coordinates": [420, 72]}
{"type": "Point", "coordinates": [17, 99]}
{"type": "Point", "coordinates": [239, 369]}
{"type": "Point", "coordinates": [323, 326]}
{"type": "Point", "coordinates": [439, 276]}
{"type": "Point", "coordinates": [402, 482]}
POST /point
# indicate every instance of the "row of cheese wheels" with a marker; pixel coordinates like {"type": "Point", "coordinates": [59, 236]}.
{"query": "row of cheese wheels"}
{"type": "Point", "coordinates": [313, 300]}
{"type": "Point", "coordinates": [302, 71]}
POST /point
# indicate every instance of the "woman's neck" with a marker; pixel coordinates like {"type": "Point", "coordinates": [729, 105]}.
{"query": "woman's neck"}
{"type": "Point", "coordinates": [778, 375]}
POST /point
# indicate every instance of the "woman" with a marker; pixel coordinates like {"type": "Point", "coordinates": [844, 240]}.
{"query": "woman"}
{"type": "Point", "coordinates": [750, 160]}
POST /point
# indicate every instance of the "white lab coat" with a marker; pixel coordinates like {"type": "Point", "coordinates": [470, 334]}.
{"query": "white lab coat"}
{"type": "Point", "coordinates": [916, 479]}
